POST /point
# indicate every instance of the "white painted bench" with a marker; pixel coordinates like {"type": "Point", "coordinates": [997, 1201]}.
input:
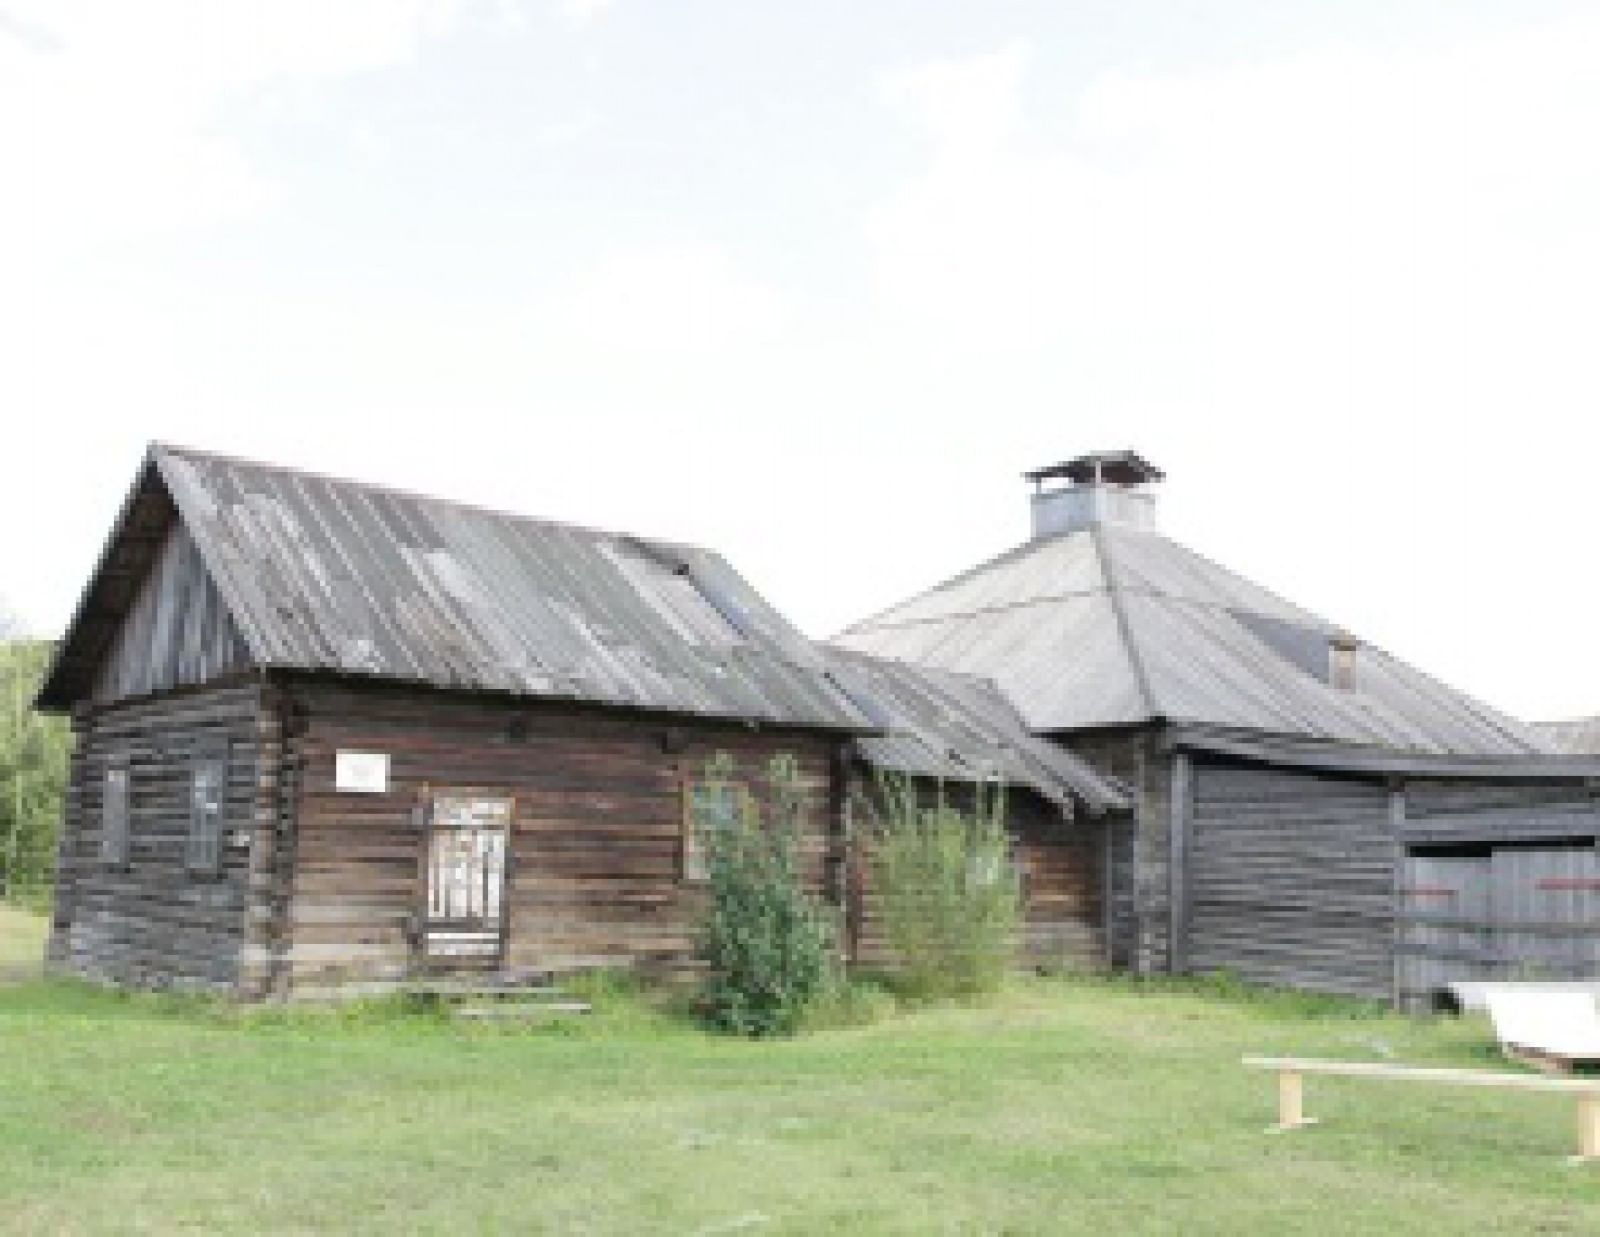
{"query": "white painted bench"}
{"type": "Point", "coordinates": [1291, 1073]}
{"type": "Point", "coordinates": [1551, 1028]}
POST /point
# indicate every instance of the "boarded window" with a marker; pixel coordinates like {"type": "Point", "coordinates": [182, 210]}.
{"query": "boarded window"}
{"type": "Point", "coordinates": [709, 807]}
{"type": "Point", "coordinates": [207, 785]}
{"type": "Point", "coordinates": [114, 812]}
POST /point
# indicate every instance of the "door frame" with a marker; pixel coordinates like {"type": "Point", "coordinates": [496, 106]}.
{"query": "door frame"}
{"type": "Point", "coordinates": [421, 959]}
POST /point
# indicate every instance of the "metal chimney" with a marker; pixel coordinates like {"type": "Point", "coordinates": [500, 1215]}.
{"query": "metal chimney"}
{"type": "Point", "coordinates": [1103, 487]}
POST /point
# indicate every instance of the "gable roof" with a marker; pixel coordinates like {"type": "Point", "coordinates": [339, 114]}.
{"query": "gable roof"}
{"type": "Point", "coordinates": [320, 574]}
{"type": "Point", "coordinates": [961, 728]}
{"type": "Point", "coordinates": [1114, 626]}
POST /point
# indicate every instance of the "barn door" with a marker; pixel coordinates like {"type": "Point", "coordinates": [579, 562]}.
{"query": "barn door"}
{"type": "Point", "coordinates": [464, 879]}
{"type": "Point", "coordinates": [1445, 918]}
{"type": "Point", "coordinates": [1547, 908]}
{"type": "Point", "coordinates": [1524, 912]}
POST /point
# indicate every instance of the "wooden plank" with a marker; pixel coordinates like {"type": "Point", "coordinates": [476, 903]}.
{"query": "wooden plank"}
{"type": "Point", "coordinates": [1419, 1073]}
{"type": "Point", "coordinates": [1179, 811]}
{"type": "Point", "coordinates": [1291, 1097]}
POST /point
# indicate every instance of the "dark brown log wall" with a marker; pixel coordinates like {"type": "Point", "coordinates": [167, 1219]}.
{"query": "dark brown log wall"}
{"type": "Point", "coordinates": [152, 922]}
{"type": "Point", "coordinates": [595, 876]}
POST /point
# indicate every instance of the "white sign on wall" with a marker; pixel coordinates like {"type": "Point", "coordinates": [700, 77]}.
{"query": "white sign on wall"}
{"type": "Point", "coordinates": [361, 773]}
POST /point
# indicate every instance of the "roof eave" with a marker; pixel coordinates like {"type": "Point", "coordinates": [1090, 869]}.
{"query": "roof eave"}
{"type": "Point", "coordinates": [1333, 756]}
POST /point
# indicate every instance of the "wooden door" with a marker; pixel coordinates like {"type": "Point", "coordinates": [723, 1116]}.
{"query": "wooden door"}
{"type": "Point", "coordinates": [1547, 912]}
{"type": "Point", "coordinates": [465, 864]}
{"type": "Point", "coordinates": [1445, 930]}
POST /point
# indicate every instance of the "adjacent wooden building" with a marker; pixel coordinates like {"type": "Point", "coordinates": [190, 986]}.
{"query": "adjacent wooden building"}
{"type": "Point", "coordinates": [332, 737]}
{"type": "Point", "coordinates": [1309, 810]}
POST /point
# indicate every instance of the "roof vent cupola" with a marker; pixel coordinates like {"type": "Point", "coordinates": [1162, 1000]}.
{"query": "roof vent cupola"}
{"type": "Point", "coordinates": [1103, 487]}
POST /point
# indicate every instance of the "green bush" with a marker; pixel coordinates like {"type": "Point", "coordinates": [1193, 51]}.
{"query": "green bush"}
{"type": "Point", "coordinates": [946, 888]}
{"type": "Point", "coordinates": [769, 945]}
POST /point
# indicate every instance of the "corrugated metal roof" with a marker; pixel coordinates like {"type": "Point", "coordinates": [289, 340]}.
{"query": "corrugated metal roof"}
{"type": "Point", "coordinates": [961, 728]}
{"type": "Point", "coordinates": [1118, 626]}
{"type": "Point", "coordinates": [331, 575]}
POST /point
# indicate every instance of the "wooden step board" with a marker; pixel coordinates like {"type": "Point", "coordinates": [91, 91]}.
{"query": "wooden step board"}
{"type": "Point", "coordinates": [497, 983]}
{"type": "Point", "coordinates": [525, 1010]}
{"type": "Point", "coordinates": [459, 992]}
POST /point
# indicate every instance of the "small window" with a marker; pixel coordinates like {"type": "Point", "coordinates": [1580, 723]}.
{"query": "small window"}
{"type": "Point", "coordinates": [114, 813]}
{"type": "Point", "coordinates": [710, 806]}
{"type": "Point", "coordinates": [206, 786]}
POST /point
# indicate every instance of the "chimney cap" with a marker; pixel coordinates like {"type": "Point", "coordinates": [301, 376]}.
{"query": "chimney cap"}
{"type": "Point", "coordinates": [1118, 467]}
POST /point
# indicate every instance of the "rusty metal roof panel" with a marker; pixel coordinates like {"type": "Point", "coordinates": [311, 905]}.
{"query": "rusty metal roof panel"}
{"type": "Point", "coordinates": [961, 728]}
{"type": "Point", "coordinates": [332, 575]}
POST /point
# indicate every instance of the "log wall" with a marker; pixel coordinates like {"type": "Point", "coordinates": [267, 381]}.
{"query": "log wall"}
{"type": "Point", "coordinates": [1059, 862]}
{"type": "Point", "coordinates": [152, 922]}
{"type": "Point", "coordinates": [595, 865]}
{"type": "Point", "coordinates": [1291, 878]}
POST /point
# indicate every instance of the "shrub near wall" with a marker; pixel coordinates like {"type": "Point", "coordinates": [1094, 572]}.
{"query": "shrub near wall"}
{"type": "Point", "coordinates": [946, 886]}
{"type": "Point", "coordinates": [769, 945]}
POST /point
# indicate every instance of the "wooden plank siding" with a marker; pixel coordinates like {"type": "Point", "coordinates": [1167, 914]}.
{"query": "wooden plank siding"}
{"type": "Point", "coordinates": [595, 860]}
{"type": "Point", "coordinates": [1446, 811]}
{"type": "Point", "coordinates": [177, 632]}
{"type": "Point", "coordinates": [1291, 879]}
{"type": "Point", "coordinates": [1501, 881]}
{"type": "Point", "coordinates": [153, 922]}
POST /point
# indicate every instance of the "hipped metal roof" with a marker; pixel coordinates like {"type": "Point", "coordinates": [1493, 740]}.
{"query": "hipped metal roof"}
{"type": "Point", "coordinates": [1113, 626]}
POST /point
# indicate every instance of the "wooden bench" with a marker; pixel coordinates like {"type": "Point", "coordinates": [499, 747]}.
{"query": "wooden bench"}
{"type": "Point", "coordinates": [1291, 1073]}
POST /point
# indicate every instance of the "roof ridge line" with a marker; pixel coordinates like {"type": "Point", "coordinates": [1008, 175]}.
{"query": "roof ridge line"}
{"type": "Point", "coordinates": [994, 560]}
{"type": "Point", "coordinates": [1141, 675]}
{"type": "Point", "coordinates": [1141, 590]}
{"type": "Point", "coordinates": [1045, 599]}
{"type": "Point", "coordinates": [181, 451]}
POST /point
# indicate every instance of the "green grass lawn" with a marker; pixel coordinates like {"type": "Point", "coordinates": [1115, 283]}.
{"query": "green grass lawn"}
{"type": "Point", "coordinates": [21, 940]}
{"type": "Point", "coordinates": [1065, 1107]}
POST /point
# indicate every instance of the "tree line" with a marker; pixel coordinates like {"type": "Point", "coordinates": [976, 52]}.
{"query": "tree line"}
{"type": "Point", "coordinates": [34, 749]}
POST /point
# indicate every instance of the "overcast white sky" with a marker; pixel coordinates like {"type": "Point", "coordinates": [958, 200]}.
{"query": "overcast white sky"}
{"type": "Point", "coordinates": [812, 283]}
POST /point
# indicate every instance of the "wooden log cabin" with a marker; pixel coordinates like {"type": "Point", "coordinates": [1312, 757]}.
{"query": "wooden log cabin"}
{"type": "Point", "coordinates": [1309, 810]}
{"type": "Point", "coordinates": [332, 737]}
